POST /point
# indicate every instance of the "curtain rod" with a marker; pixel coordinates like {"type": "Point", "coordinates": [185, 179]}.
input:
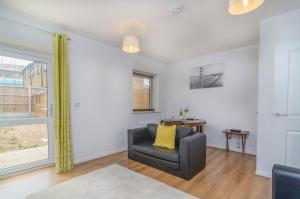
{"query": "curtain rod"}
{"type": "Point", "coordinates": [40, 29]}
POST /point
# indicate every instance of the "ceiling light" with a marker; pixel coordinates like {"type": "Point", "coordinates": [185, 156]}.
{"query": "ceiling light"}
{"type": "Point", "coordinates": [131, 44]}
{"type": "Point", "coordinates": [176, 9]}
{"type": "Point", "coordinates": [238, 7]}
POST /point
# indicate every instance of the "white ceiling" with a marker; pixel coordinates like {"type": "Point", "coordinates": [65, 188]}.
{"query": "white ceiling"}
{"type": "Point", "coordinates": [203, 27]}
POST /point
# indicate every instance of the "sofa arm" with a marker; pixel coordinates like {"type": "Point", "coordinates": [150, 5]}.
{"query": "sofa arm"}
{"type": "Point", "coordinates": [136, 135]}
{"type": "Point", "coordinates": [192, 150]}
{"type": "Point", "coordinates": [285, 182]}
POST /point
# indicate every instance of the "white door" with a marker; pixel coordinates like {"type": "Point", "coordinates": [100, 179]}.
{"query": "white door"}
{"type": "Point", "coordinates": [286, 112]}
{"type": "Point", "coordinates": [26, 119]}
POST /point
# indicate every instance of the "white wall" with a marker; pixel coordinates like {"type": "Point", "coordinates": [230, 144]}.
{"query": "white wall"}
{"type": "Point", "coordinates": [233, 106]}
{"type": "Point", "coordinates": [273, 31]}
{"type": "Point", "coordinates": [101, 81]}
{"type": "Point", "coordinates": [101, 86]}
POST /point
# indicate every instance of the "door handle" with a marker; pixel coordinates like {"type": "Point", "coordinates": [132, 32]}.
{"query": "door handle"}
{"type": "Point", "coordinates": [280, 115]}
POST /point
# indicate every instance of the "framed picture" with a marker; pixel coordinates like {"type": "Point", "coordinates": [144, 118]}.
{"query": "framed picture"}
{"type": "Point", "coordinates": [207, 76]}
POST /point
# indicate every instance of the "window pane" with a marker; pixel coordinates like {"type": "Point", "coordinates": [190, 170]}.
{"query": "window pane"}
{"type": "Point", "coordinates": [23, 112]}
{"type": "Point", "coordinates": [22, 144]}
{"type": "Point", "coordinates": [141, 92]}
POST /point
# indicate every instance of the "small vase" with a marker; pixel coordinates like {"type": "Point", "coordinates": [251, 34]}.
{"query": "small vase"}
{"type": "Point", "coordinates": [181, 114]}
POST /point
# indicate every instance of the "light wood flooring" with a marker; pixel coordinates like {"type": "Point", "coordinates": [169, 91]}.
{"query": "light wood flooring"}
{"type": "Point", "coordinates": [227, 175]}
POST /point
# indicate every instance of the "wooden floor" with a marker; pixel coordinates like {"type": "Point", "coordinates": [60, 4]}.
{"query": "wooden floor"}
{"type": "Point", "coordinates": [227, 175]}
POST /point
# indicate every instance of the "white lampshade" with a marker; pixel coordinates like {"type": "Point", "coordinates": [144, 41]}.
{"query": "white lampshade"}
{"type": "Point", "coordinates": [238, 7]}
{"type": "Point", "coordinates": [131, 44]}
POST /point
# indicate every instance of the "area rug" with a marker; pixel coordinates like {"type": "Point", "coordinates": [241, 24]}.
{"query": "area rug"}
{"type": "Point", "coordinates": [112, 182]}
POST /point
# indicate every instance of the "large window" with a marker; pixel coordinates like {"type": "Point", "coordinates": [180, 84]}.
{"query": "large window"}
{"type": "Point", "coordinates": [26, 133]}
{"type": "Point", "coordinates": [142, 92]}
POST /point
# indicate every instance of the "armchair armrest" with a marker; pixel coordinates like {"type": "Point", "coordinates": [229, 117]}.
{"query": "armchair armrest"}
{"type": "Point", "coordinates": [285, 182]}
{"type": "Point", "coordinates": [135, 136]}
{"type": "Point", "coordinates": [192, 150]}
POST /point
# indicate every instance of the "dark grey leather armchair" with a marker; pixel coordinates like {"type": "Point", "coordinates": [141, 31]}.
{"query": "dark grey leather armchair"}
{"type": "Point", "coordinates": [285, 182]}
{"type": "Point", "coordinates": [185, 161]}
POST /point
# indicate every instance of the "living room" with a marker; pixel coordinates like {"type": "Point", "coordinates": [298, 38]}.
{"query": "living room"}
{"type": "Point", "coordinates": [113, 74]}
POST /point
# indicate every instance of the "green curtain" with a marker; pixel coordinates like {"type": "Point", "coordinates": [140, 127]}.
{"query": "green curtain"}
{"type": "Point", "coordinates": [64, 156]}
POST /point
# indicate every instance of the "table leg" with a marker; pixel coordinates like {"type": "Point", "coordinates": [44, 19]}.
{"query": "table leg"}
{"type": "Point", "coordinates": [243, 142]}
{"type": "Point", "coordinates": [198, 129]}
{"type": "Point", "coordinates": [227, 144]}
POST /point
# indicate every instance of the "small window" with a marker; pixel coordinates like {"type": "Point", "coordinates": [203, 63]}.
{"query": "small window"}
{"type": "Point", "coordinates": [142, 92]}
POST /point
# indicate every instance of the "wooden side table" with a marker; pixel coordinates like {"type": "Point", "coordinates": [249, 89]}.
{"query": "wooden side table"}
{"type": "Point", "coordinates": [243, 135]}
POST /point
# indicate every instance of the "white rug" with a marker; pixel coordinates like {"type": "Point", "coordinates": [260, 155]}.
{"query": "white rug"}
{"type": "Point", "coordinates": [112, 182]}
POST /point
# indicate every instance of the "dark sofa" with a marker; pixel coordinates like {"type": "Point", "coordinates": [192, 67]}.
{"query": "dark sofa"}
{"type": "Point", "coordinates": [285, 182]}
{"type": "Point", "coordinates": [185, 161]}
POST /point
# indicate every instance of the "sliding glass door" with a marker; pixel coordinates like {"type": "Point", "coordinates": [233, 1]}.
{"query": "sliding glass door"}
{"type": "Point", "coordinates": [26, 124]}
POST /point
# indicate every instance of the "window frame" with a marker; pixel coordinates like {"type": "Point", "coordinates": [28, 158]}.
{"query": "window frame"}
{"type": "Point", "coordinates": [150, 77]}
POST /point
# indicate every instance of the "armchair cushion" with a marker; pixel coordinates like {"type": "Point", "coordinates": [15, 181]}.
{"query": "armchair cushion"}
{"type": "Point", "coordinates": [181, 132]}
{"type": "Point", "coordinates": [152, 130]}
{"type": "Point", "coordinates": [158, 152]}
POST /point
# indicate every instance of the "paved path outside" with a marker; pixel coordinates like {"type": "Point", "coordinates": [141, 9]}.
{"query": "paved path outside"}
{"type": "Point", "coordinates": [13, 158]}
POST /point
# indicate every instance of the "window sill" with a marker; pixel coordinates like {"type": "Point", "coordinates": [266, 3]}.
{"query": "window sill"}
{"type": "Point", "coordinates": [144, 112]}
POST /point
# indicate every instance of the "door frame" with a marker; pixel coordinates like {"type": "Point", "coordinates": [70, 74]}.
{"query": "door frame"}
{"type": "Point", "coordinates": [29, 54]}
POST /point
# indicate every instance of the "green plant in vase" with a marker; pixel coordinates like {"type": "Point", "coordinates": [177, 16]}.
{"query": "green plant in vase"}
{"type": "Point", "coordinates": [181, 115]}
{"type": "Point", "coordinates": [186, 110]}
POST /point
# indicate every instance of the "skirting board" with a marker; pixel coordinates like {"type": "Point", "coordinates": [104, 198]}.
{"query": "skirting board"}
{"type": "Point", "coordinates": [88, 158]}
{"type": "Point", "coordinates": [231, 149]}
{"type": "Point", "coordinates": [263, 174]}
{"type": "Point", "coordinates": [93, 157]}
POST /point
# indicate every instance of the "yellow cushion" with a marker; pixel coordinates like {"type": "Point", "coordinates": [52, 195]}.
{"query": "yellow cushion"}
{"type": "Point", "coordinates": [165, 136]}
